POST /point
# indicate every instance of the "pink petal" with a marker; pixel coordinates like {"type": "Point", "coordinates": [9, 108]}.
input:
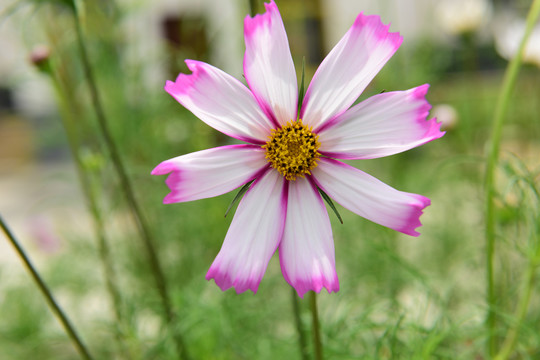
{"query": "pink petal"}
{"type": "Point", "coordinates": [211, 172]}
{"type": "Point", "coordinates": [221, 101]}
{"type": "Point", "coordinates": [253, 236]}
{"type": "Point", "coordinates": [370, 198]}
{"type": "Point", "coordinates": [382, 125]}
{"type": "Point", "coordinates": [306, 251]}
{"type": "Point", "coordinates": [348, 69]}
{"type": "Point", "coordinates": [268, 65]}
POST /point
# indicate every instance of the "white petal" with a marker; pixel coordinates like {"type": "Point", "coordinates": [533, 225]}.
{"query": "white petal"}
{"type": "Point", "coordinates": [211, 172]}
{"type": "Point", "coordinates": [348, 69]}
{"type": "Point", "coordinates": [268, 65]}
{"type": "Point", "coordinates": [221, 101]}
{"type": "Point", "coordinates": [370, 198]}
{"type": "Point", "coordinates": [382, 125]}
{"type": "Point", "coordinates": [253, 236]}
{"type": "Point", "coordinates": [306, 251]}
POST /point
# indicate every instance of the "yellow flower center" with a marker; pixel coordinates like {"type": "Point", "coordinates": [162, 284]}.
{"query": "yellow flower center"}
{"type": "Point", "coordinates": [292, 150]}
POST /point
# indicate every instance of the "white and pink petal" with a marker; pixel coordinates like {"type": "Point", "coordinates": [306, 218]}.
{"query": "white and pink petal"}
{"type": "Point", "coordinates": [369, 197]}
{"type": "Point", "coordinates": [221, 101]}
{"type": "Point", "coordinates": [348, 69]}
{"type": "Point", "coordinates": [253, 236]}
{"type": "Point", "coordinates": [211, 172]}
{"type": "Point", "coordinates": [306, 251]}
{"type": "Point", "coordinates": [384, 124]}
{"type": "Point", "coordinates": [268, 65]}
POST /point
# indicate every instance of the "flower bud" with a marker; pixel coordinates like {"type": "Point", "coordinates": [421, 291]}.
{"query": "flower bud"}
{"type": "Point", "coordinates": [40, 56]}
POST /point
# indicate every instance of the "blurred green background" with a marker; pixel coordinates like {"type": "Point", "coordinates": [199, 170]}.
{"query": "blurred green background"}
{"type": "Point", "coordinates": [401, 297]}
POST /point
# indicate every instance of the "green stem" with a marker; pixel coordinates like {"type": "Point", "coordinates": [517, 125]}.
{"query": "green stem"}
{"type": "Point", "coordinates": [528, 285]}
{"type": "Point", "coordinates": [65, 99]}
{"type": "Point", "coordinates": [252, 7]}
{"type": "Point", "coordinates": [501, 108]}
{"type": "Point", "coordinates": [128, 192]}
{"type": "Point", "coordinates": [57, 310]}
{"type": "Point", "coordinates": [302, 343]}
{"type": "Point", "coordinates": [317, 344]}
{"type": "Point", "coordinates": [521, 311]}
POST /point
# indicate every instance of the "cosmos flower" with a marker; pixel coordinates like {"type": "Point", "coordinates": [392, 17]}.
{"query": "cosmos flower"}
{"type": "Point", "coordinates": [289, 156]}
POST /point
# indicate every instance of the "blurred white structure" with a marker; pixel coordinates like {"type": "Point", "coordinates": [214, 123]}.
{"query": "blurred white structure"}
{"type": "Point", "coordinates": [462, 16]}
{"type": "Point", "coordinates": [414, 19]}
{"type": "Point", "coordinates": [18, 35]}
{"type": "Point", "coordinates": [224, 27]}
{"type": "Point", "coordinates": [508, 32]}
{"type": "Point", "coordinates": [143, 26]}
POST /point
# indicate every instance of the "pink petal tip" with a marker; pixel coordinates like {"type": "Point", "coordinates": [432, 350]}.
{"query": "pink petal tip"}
{"type": "Point", "coordinates": [316, 284]}
{"type": "Point", "coordinates": [416, 210]}
{"type": "Point", "coordinates": [224, 281]}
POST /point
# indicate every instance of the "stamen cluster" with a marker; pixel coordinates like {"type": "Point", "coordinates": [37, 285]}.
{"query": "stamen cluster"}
{"type": "Point", "coordinates": [292, 150]}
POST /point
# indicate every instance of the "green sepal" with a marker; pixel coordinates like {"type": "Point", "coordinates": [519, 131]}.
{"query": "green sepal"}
{"type": "Point", "coordinates": [301, 92]}
{"type": "Point", "coordinates": [331, 204]}
{"type": "Point", "coordinates": [238, 196]}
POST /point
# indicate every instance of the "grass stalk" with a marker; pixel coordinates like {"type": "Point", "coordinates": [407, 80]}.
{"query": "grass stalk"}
{"type": "Point", "coordinates": [55, 307]}
{"type": "Point", "coordinates": [503, 100]}
{"type": "Point", "coordinates": [521, 310]}
{"type": "Point", "coordinates": [529, 280]}
{"type": "Point", "coordinates": [127, 188]}
{"type": "Point", "coordinates": [316, 331]}
{"type": "Point", "coordinates": [65, 100]}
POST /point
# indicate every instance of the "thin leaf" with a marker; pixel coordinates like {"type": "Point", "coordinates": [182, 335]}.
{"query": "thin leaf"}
{"type": "Point", "coordinates": [238, 197]}
{"type": "Point", "coordinates": [301, 92]}
{"type": "Point", "coordinates": [331, 204]}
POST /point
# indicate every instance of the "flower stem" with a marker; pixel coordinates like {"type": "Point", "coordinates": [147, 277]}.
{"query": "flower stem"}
{"type": "Point", "coordinates": [302, 343]}
{"type": "Point", "coordinates": [317, 344]}
{"type": "Point", "coordinates": [65, 100]}
{"type": "Point", "coordinates": [125, 183]}
{"type": "Point", "coordinates": [57, 310]}
{"type": "Point", "coordinates": [501, 108]}
{"type": "Point", "coordinates": [521, 310]}
{"type": "Point", "coordinates": [252, 7]}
